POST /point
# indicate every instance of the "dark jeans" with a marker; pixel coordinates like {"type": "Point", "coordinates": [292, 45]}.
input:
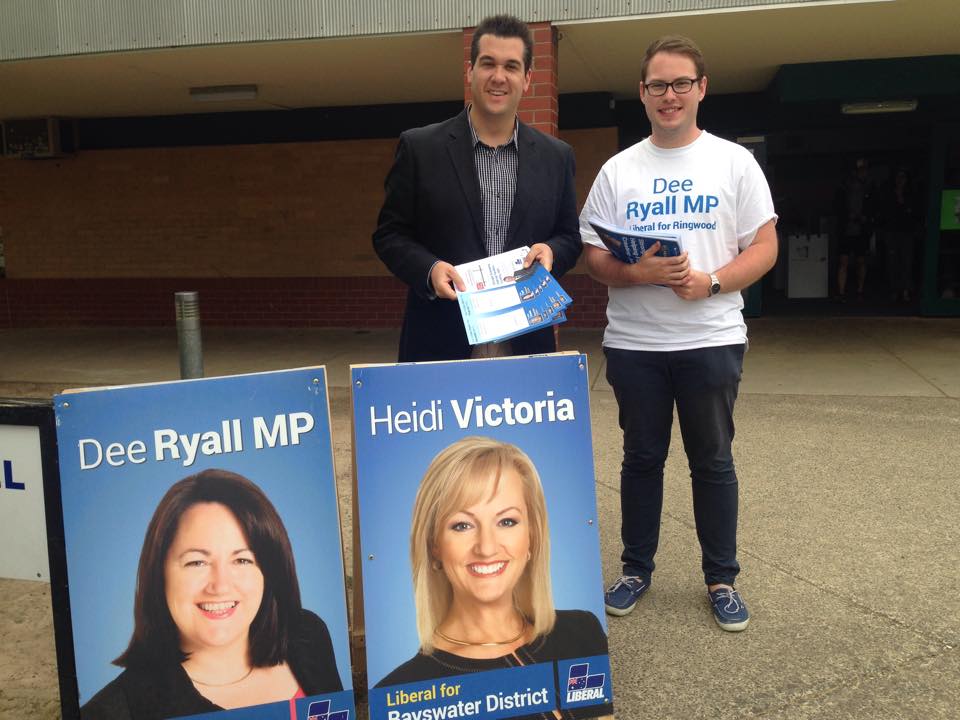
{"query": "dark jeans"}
{"type": "Point", "coordinates": [703, 383]}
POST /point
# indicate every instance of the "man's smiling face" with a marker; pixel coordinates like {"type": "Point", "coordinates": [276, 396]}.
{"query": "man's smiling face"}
{"type": "Point", "coordinates": [498, 78]}
{"type": "Point", "coordinates": [673, 116]}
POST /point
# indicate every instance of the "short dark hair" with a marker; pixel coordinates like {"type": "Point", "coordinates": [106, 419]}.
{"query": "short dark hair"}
{"type": "Point", "coordinates": [503, 26]}
{"type": "Point", "coordinates": [156, 639]}
{"type": "Point", "coordinates": [678, 45]}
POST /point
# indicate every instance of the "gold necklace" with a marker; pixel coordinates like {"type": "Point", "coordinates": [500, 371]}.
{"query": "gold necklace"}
{"type": "Point", "coordinates": [216, 685]}
{"type": "Point", "coordinates": [523, 629]}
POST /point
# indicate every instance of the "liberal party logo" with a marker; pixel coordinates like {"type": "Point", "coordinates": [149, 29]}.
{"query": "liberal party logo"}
{"type": "Point", "coordinates": [581, 685]}
{"type": "Point", "coordinates": [320, 710]}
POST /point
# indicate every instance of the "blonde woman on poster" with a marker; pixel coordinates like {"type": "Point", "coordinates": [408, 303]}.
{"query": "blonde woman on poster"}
{"type": "Point", "coordinates": [480, 557]}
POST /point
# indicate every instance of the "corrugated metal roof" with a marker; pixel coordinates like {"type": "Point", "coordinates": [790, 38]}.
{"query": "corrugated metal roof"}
{"type": "Point", "coordinates": [42, 28]}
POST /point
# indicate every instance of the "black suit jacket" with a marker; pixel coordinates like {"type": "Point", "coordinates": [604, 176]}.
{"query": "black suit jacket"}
{"type": "Point", "coordinates": [432, 211]}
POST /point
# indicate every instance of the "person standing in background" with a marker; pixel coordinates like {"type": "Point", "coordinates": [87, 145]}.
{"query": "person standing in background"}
{"type": "Point", "coordinates": [675, 335]}
{"type": "Point", "coordinates": [855, 202]}
{"type": "Point", "coordinates": [899, 224]}
{"type": "Point", "coordinates": [473, 186]}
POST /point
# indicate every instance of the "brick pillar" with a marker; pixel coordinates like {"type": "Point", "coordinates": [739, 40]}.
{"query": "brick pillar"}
{"type": "Point", "coordinates": [539, 107]}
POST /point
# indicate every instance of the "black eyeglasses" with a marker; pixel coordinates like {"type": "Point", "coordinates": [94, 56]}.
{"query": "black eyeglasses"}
{"type": "Point", "coordinates": [680, 86]}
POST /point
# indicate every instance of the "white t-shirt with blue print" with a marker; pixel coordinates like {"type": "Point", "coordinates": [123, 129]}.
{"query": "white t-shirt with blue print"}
{"type": "Point", "coordinates": [714, 196]}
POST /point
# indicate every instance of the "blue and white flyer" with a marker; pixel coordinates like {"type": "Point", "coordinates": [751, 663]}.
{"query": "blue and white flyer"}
{"type": "Point", "coordinates": [524, 301]}
{"type": "Point", "coordinates": [482, 588]}
{"type": "Point", "coordinates": [494, 271]}
{"type": "Point", "coordinates": [630, 245]}
{"type": "Point", "coordinates": [203, 549]}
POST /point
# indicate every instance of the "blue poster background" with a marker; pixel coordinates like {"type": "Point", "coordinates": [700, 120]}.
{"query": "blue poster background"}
{"type": "Point", "coordinates": [106, 509]}
{"type": "Point", "coordinates": [390, 466]}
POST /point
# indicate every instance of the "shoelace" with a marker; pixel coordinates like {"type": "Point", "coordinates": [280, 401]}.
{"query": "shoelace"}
{"type": "Point", "coordinates": [733, 604]}
{"type": "Point", "coordinates": [625, 581]}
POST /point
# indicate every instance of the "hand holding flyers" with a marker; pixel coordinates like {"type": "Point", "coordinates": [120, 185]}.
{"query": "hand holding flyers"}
{"type": "Point", "coordinates": [505, 299]}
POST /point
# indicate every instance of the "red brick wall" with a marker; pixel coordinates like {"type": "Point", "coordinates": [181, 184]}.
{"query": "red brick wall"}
{"type": "Point", "coordinates": [268, 234]}
{"type": "Point", "coordinates": [289, 302]}
{"type": "Point", "coordinates": [540, 107]}
{"type": "Point", "coordinates": [356, 302]}
{"type": "Point", "coordinates": [297, 209]}
{"type": "Point", "coordinates": [591, 149]}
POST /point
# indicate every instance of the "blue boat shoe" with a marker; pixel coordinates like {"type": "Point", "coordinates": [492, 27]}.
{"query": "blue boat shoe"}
{"type": "Point", "coordinates": [620, 597]}
{"type": "Point", "coordinates": [729, 609]}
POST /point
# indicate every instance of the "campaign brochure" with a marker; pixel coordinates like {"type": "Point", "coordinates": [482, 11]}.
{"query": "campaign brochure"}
{"type": "Point", "coordinates": [629, 245]}
{"type": "Point", "coordinates": [424, 431]}
{"type": "Point", "coordinates": [503, 299]}
{"type": "Point", "coordinates": [196, 513]}
{"type": "Point", "coordinates": [494, 271]}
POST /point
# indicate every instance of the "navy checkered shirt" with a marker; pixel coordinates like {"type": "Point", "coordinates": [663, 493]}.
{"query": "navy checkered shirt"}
{"type": "Point", "coordinates": [497, 172]}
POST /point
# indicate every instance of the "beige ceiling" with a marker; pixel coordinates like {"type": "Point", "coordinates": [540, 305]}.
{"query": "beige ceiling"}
{"type": "Point", "coordinates": [743, 51]}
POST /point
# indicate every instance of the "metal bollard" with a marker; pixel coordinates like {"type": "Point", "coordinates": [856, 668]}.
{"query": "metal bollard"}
{"type": "Point", "coordinates": [188, 334]}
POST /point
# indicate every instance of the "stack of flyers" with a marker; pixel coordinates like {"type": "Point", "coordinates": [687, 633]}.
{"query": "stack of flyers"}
{"type": "Point", "coordinates": [503, 299]}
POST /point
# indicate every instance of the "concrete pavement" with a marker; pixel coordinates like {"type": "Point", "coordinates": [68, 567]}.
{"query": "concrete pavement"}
{"type": "Point", "coordinates": [848, 452]}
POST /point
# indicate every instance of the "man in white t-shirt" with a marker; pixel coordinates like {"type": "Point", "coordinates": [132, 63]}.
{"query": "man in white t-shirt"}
{"type": "Point", "coordinates": [675, 334]}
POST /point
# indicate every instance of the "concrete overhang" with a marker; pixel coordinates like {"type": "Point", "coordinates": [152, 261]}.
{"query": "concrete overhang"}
{"type": "Point", "coordinates": [744, 50]}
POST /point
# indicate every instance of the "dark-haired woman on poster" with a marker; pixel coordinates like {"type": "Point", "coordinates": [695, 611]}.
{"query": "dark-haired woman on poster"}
{"type": "Point", "coordinates": [218, 622]}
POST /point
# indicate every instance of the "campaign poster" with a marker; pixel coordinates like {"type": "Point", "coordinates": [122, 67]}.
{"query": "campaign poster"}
{"type": "Point", "coordinates": [203, 549]}
{"type": "Point", "coordinates": [23, 523]}
{"type": "Point", "coordinates": [482, 588]}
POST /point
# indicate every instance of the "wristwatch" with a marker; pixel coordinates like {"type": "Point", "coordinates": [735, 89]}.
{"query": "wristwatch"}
{"type": "Point", "coordinates": [714, 284]}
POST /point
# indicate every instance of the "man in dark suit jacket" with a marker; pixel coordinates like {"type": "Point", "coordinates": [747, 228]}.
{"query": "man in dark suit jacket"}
{"type": "Point", "coordinates": [441, 209]}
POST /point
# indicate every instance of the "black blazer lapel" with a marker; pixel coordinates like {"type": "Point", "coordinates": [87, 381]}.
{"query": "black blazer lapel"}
{"type": "Point", "coordinates": [460, 148]}
{"type": "Point", "coordinates": [528, 170]}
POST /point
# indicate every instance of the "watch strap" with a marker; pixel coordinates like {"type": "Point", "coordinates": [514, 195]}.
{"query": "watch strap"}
{"type": "Point", "coordinates": [714, 284]}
